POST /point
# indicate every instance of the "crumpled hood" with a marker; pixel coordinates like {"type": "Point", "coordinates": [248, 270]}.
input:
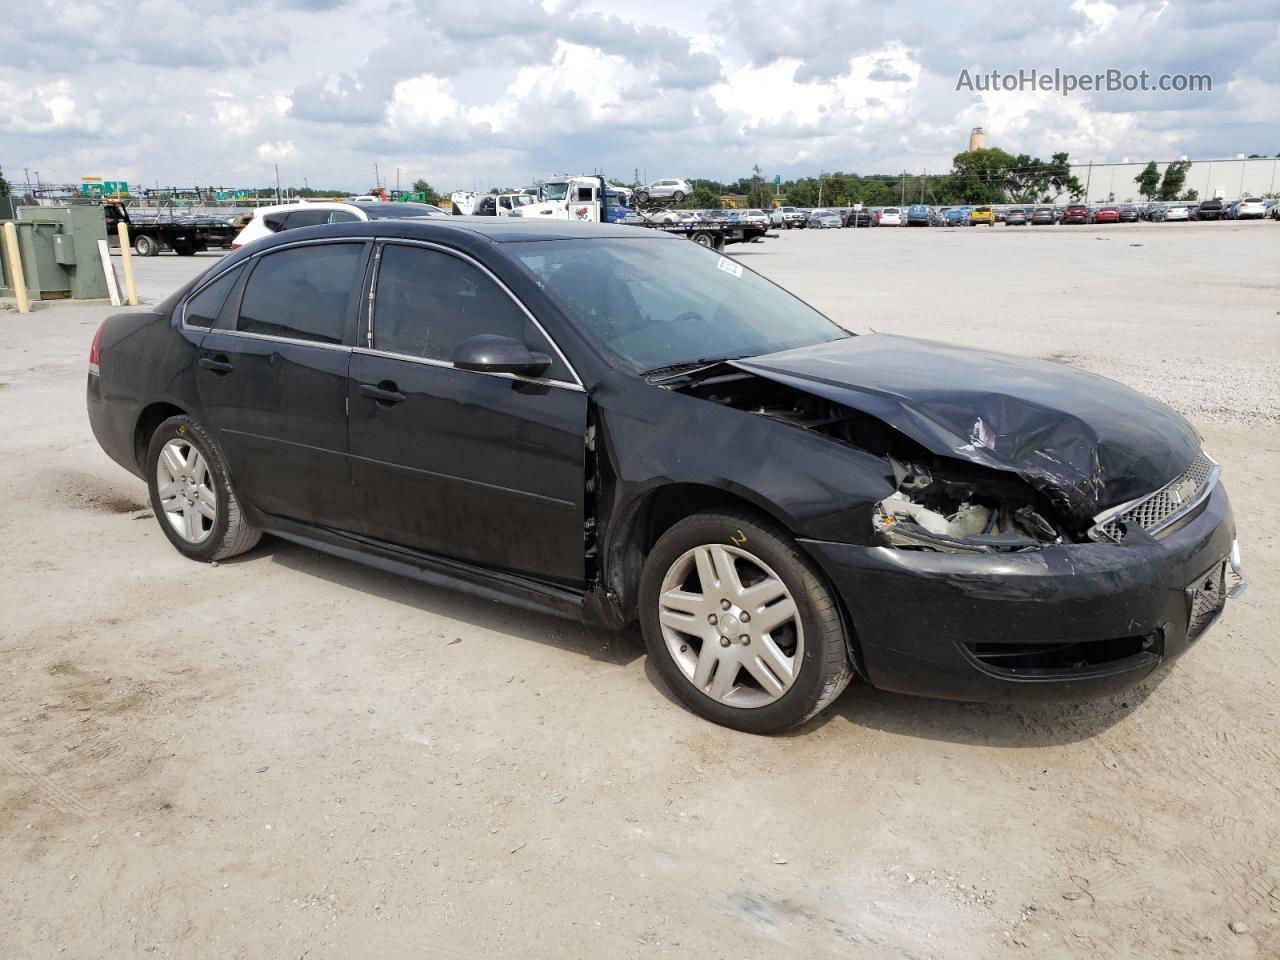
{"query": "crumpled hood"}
{"type": "Point", "coordinates": [1086, 442]}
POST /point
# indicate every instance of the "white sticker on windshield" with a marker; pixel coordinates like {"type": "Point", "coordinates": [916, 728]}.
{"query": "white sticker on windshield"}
{"type": "Point", "coordinates": [728, 266]}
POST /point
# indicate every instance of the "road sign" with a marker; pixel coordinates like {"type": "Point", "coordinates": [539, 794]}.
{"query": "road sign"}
{"type": "Point", "coordinates": [90, 189]}
{"type": "Point", "coordinates": [112, 187]}
{"type": "Point", "coordinates": [222, 195]}
{"type": "Point", "coordinates": [242, 194]}
{"type": "Point", "coordinates": [777, 179]}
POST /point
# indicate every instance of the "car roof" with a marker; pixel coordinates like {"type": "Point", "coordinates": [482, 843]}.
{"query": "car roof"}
{"type": "Point", "coordinates": [309, 205]}
{"type": "Point", "coordinates": [464, 231]}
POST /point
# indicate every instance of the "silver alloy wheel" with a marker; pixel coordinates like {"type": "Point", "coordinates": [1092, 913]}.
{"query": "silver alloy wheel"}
{"type": "Point", "coordinates": [731, 625]}
{"type": "Point", "coordinates": [185, 487]}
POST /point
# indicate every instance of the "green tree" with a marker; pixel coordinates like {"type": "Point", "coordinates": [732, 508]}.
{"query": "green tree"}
{"type": "Point", "coordinates": [1174, 179]}
{"type": "Point", "coordinates": [4, 185]}
{"type": "Point", "coordinates": [1029, 179]}
{"type": "Point", "coordinates": [1148, 180]}
{"type": "Point", "coordinates": [1190, 195]}
{"type": "Point", "coordinates": [757, 190]}
{"type": "Point", "coordinates": [702, 198]}
{"type": "Point", "coordinates": [421, 186]}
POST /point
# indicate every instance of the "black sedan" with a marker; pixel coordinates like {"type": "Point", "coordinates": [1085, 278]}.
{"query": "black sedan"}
{"type": "Point", "coordinates": [612, 424]}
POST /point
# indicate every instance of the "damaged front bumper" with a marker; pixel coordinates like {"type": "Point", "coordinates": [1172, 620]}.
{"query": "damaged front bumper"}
{"type": "Point", "coordinates": [1063, 622]}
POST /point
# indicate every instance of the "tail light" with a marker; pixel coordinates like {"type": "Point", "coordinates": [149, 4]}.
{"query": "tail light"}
{"type": "Point", "coordinates": [235, 246]}
{"type": "Point", "coordinates": [95, 348]}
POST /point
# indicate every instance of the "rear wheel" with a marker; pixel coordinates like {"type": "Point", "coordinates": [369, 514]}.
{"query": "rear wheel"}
{"type": "Point", "coordinates": [704, 239]}
{"type": "Point", "coordinates": [678, 196]}
{"type": "Point", "coordinates": [642, 196]}
{"type": "Point", "coordinates": [191, 493]}
{"type": "Point", "coordinates": [740, 624]}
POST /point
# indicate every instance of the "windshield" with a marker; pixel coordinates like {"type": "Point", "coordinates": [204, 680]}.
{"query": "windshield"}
{"type": "Point", "coordinates": [554, 191]}
{"type": "Point", "coordinates": [660, 303]}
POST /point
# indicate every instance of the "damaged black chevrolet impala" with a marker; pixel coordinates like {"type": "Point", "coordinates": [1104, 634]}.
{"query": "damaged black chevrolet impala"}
{"type": "Point", "coordinates": [613, 424]}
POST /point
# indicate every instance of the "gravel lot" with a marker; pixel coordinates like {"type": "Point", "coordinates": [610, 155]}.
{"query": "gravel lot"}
{"type": "Point", "coordinates": [289, 755]}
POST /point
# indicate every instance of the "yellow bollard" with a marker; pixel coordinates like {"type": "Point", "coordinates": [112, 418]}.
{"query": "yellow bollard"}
{"type": "Point", "coordinates": [126, 258]}
{"type": "Point", "coordinates": [15, 267]}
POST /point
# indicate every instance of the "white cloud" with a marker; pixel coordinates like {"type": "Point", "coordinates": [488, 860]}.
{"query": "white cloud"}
{"type": "Point", "coordinates": [530, 87]}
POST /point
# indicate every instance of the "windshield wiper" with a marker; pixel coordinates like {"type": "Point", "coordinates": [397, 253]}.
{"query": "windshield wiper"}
{"type": "Point", "coordinates": [684, 369]}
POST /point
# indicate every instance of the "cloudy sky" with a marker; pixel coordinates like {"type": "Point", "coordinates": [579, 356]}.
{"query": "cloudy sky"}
{"type": "Point", "coordinates": [506, 91]}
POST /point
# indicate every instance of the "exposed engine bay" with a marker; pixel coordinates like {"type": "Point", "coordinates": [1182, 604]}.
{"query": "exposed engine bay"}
{"type": "Point", "coordinates": [940, 504]}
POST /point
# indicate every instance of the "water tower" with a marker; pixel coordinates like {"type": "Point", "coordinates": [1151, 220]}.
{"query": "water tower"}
{"type": "Point", "coordinates": [977, 139]}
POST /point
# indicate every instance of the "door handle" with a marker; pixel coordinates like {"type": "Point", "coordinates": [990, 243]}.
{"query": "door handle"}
{"type": "Point", "coordinates": [218, 364]}
{"type": "Point", "coordinates": [385, 393]}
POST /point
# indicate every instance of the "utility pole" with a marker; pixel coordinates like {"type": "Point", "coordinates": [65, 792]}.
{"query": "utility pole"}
{"type": "Point", "coordinates": [1088, 180]}
{"type": "Point", "coordinates": [924, 175]}
{"type": "Point", "coordinates": [377, 177]}
{"type": "Point", "coordinates": [397, 179]}
{"type": "Point", "coordinates": [277, 183]}
{"type": "Point", "coordinates": [902, 193]}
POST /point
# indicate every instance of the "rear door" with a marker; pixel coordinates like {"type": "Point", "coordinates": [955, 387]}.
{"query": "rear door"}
{"type": "Point", "coordinates": [483, 468]}
{"type": "Point", "coordinates": [273, 380]}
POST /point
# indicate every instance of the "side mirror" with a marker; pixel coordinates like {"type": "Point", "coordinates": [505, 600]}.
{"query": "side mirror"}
{"type": "Point", "coordinates": [489, 353]}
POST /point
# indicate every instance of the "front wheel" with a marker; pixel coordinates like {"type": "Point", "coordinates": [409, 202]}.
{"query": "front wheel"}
{"type": "Point", "coordinates": [704, 239]}
{"type": "Point", "coordinates": [145, 246]}
{"type": "Point", "coordinates": [678, 196]}
{"type": "Point", "coordinates": [191, 493]}
{"type": "Point", "coordinates": [740, 624]}
{"type": "Point", "coordinates": [642, 196]}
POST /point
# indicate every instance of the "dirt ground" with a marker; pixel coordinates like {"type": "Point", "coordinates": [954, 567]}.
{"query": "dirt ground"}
{"type": "Point", "coordinates": [289, 755]}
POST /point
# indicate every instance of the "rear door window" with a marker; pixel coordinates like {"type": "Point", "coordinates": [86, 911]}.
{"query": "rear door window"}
{"type": "Point", "coordinates": [427, 302]}
{"type": "Point", "coordinates": [304, 293]}
{"type": "Point", "coordinates": [202, 310]}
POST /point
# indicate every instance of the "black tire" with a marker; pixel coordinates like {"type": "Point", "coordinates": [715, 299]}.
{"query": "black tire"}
{"type": "Point", "coordinates": [146, 246]}
{"type": "Point", "coordinates": [825, 667]}
{"type": "Point", "coordinates": [231, 533]}
{"type": "Point", "coordinates": [184, 249]}
{"type": "Point", "coordinates": [642, 196]}
{"type": "Point", "coordinates": [704, 239]}
{"type": "Point", "coordinates": [678, 196]}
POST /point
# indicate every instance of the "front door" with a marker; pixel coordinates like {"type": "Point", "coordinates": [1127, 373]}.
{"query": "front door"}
{"type": "Point", "coordinates": [483, 468]}
{"type": "Point", "coordinates": [273, 381]}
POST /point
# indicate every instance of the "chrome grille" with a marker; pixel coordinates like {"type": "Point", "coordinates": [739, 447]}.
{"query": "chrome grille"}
{"type": "Point", "coordinates": [1157, 510]}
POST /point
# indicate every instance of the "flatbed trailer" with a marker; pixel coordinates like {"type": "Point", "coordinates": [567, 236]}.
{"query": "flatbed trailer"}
{"type": "Point", "coordinates": [184, 235]}
{"type": "Point", "coordinates": [710, 233]}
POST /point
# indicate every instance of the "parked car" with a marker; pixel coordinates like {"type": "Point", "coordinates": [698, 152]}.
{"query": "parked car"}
{"type": "Point", "coordinates": [891, 217]}
{"type": "Point", "coordinates": [857, 218]}
{"type": "Point", "coordinates": [289, 216]}
{"type": "Point", "coordinates": [1105, 215]}
{"type": "Point", "coordinates": [1209, 210]}
{"type": "Point", "coordinates": [956, 217]}
{"type": "Point", "coordinates": [789, 217]}
{"type": "Point", "coordinates": [1176, 212]}
{"type": "Point", "coordinates": [1015, 217]}
{"type": "Point", "coordinates": [1076, 213]}
{"type": "Point", "coordinates": [918, 215]}
{"type": "Point", "coordinates": [1128, 213]}
{"type": "Point", "coordinates": [1154, 212]}
{"type": "Point", "coordinates": [982, 214]}
{"type": "Point", "coordinates": [675, 190]}
{"type": "Point", "coordinates": [485, 405]}
{"type": "Point", "coordinates": [824, 219]}
{"type": "Point", "coordinates": [1249, 208]}
{"type": "Point", "coordinates": [753, 216]}
{"type": "Point", "coordinates": [1042, 216]}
